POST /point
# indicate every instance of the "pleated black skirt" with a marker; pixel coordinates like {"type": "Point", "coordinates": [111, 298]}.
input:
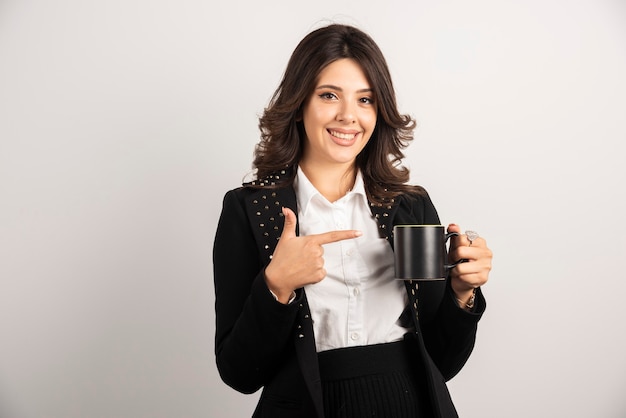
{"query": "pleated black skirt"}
{"type": "Point", "coordinates": [381, 380]}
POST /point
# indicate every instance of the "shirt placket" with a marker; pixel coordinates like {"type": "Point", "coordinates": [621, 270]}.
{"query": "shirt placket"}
{"type": "Point", "coordinates": [355, 330]}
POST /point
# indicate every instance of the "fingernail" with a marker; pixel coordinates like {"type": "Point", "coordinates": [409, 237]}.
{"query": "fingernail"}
{"type": "Point", "coordinates": [358, 233]}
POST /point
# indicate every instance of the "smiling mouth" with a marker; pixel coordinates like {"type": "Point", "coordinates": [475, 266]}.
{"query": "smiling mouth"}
{"type": "Point", "coordinates": [340, 135]}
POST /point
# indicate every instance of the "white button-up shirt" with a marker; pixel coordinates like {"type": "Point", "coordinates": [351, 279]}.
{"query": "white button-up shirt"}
{"type": "Point", "coordinates": [359, 302]}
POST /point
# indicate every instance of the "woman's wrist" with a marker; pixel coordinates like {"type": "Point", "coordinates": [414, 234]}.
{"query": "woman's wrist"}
{"type": "Point", "coordinates": [282, 299]}
{"type": "Point", "coordinates": [466, 299]}
{"type": "Point", "coordinates": [284, 296]}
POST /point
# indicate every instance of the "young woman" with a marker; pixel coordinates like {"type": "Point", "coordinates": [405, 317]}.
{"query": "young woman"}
{"type": "Point", "coordinates": [307, 305]}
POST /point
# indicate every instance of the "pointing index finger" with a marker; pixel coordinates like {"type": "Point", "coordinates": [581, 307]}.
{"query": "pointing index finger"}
{"type": "Point", "coordinates": [334, 236]}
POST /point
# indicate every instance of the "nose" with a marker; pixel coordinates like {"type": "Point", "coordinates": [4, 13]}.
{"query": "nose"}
{"type": "Point", "coordinates": [346, 113]}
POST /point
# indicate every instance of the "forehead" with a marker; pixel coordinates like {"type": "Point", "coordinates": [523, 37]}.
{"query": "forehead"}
{"type": "Point", "coordinates": [346, 71]}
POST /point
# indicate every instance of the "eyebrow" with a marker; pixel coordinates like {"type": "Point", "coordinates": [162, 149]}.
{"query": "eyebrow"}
{"type": "Point", "coordinates": [330, 86]}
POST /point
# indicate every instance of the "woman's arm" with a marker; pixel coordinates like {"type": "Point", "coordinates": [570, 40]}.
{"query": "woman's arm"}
{"type": "Point", "coordinates": [252, 328]}
{"type": "Point", "coordinates": [450, 334]}
{"type": "Point", "coordinates": [449, 337]}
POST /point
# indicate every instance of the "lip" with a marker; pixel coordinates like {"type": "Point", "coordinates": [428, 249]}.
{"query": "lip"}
{"type": "Point", "coordinates": [338, 136]}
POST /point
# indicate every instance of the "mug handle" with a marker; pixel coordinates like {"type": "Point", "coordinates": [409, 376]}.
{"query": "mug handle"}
{"type": "Point", "coordinates": [463, 260]}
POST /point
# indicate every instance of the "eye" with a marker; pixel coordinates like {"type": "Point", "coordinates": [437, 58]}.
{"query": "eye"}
{"type": "Point", "coordinates": [328, 95]}
{"type": "Point", "coordinates": [366, 100]}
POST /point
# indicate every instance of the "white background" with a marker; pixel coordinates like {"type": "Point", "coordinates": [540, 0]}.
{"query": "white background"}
{"type": "Point", "coordinates": [123, 123]}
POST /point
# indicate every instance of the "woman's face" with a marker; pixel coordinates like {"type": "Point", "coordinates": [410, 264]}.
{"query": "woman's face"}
{"type": "Point", "coordinates": [339, 116]}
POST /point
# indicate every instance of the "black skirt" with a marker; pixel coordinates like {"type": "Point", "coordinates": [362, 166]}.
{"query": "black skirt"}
{"type": "Point", "coordinates": [381, 380]}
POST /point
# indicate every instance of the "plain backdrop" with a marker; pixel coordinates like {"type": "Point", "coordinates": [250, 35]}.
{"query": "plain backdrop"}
{"type": "Point", "coordinates": [123, 123]}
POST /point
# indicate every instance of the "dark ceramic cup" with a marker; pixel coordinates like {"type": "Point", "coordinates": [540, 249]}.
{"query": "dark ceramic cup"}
{"type": "Point", "coordinates": [420, 252]}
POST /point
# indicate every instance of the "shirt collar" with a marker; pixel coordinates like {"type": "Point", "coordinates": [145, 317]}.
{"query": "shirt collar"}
{"type": "Point", "coordinates": [305, 191]}
{"type": "Point", "coordinates": [359, 188]}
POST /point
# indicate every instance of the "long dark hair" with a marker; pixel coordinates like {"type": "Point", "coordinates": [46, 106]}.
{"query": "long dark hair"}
{"type": "Point", "coordinates": [282, 131]}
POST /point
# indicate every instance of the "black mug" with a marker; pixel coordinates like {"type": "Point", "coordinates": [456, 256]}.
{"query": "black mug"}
{"type": "Point", "coordinates": [420, 252]}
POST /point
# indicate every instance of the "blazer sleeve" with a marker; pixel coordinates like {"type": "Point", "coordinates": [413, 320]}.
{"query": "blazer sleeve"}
{"type": "Point", "coordinates": [450, 334]}
{"type": "Point", "coordinates": [252, 328]}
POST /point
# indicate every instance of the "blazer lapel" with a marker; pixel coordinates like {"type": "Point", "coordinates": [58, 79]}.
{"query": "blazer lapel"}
{"type": "Point", "coordinates": [264, 208]}
{"type": "Point", "coordinates": [386, 214]}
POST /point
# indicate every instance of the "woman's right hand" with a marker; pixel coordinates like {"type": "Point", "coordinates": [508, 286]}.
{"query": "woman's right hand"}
{"type": "Point", "coordinates": [298, 261]}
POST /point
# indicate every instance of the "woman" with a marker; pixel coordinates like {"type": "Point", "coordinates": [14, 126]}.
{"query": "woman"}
{"type": "Point", "coordinates": [307, 305]}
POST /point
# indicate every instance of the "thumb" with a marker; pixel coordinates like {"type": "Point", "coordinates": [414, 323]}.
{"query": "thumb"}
{"type": "Point", "coordinates": [289, 229]}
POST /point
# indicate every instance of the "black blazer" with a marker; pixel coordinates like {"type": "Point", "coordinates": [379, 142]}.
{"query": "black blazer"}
{"type": "Point", "coordinates": [260, 342]}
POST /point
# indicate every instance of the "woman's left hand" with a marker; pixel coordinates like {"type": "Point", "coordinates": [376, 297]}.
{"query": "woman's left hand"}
{"type": "Point", "coordinates": [469, 275]}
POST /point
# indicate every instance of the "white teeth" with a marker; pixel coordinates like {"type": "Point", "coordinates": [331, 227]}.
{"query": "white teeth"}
{"type": "Point", "coordinates": [342, 136]}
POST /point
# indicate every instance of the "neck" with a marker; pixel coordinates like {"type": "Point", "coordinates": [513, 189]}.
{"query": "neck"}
{"type": "Point", "coordinates": [332, 182]}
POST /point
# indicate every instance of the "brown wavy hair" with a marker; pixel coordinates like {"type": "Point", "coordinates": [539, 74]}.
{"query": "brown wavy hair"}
{"type": "Point", "coordinates": [282, 130]}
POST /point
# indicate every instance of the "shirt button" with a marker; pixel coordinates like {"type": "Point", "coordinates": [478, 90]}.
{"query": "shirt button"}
{"type": "Point", "coordinates": [350, 252]}
{"type": "Point", "coordinates": [354, 336]}
{"type": "Point", "coordinates": [355, 291]}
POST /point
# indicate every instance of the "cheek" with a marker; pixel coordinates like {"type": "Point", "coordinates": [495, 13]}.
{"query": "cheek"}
{"type": "Point", "coordinates": [371, 121]}
{"type": "Point", "coordinates": [316, 118]}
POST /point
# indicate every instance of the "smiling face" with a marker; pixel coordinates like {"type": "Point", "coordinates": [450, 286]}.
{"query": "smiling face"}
{"type": "Point", "coordinates": [339, 116]}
